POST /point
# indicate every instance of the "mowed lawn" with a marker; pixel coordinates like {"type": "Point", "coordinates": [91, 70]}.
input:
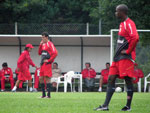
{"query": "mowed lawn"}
{"type": "Point", "coordinates": [26, 102]}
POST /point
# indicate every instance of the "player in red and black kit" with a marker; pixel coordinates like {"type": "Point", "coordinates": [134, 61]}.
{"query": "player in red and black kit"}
{"type": "Point", "coordinates": [123, 62]}
{"type": "Point", "coordinates": [48, 53]}
{"type": "Point", "coordinates": [6, 76]}
{"type": "Point", "coordinates": [23, 64]}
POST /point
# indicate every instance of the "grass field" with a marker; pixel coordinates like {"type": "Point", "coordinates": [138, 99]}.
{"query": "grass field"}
{"type": "Point", "coordinates": [25, 102]}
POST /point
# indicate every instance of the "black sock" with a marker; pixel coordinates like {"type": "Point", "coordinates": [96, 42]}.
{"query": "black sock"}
{"type": "Point", "coordinates": [129, 95]}
{"type": "Point", "coordinates": [48, 89]}
{"type": "Point", "coordinates": [110, 91]}
{"type": "Point", "coordinates": [43, 89]}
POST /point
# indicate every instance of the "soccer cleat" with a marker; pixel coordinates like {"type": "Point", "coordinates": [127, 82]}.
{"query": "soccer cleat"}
{"type": "Point", "coordinates": [47, 97]}
{"type": "Point", "coordinates": [2, 90]}
{"type": "Point", "coordinates": [100, 89]}
{"type": "Point", "coordinates": [102, 108]}
{"type": "Point", "coordinates": [13, 90]}
{"type": "Point", "coordinates": [42, 97]}
{"type": "Point", "coordinates": [126, 108]}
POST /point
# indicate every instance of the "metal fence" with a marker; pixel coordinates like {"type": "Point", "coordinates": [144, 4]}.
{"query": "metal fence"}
{"type": "Point", "coordinates": [53, 29]}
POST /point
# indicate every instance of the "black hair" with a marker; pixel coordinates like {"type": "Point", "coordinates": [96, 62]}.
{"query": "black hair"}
{"type": "Point", "coordinates": [123, 8]}
{"type": "Point", "coordinates": [5, 64]}
{"type": "Point", "coordinates": [88, 63]}
{"type": "Point", "coordinates": [55, 63]}
{"type": "Point", "coordinates": [26, 48]}
{"type": "Point", "coordinates": [47, 35]}
{"type": "Point", "coordinates": [107, 63]}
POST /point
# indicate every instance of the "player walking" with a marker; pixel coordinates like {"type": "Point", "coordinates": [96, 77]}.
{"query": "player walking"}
{"type": "Point", "coordinates": [23, 64]}
{"type": "Point", "coordinates": [48, 53]}
{"type": "Point", "coordinates": [123, 62]}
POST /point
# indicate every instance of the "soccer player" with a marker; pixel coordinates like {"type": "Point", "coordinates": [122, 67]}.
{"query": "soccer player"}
{"type": "Point", "coordinates": [23, 64]}
{"type": "Point", "coordinates": [7, 76]}
{"type": "Point", "coordinates": [48, 53]}
{"type": "Point", "coordinates": [123, 62]}
{"type": "Point", "coordinates": [104, 77]}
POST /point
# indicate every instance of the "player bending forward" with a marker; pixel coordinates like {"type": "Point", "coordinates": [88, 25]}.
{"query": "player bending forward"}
{"type": "Point", "coordinates": [123, 62]}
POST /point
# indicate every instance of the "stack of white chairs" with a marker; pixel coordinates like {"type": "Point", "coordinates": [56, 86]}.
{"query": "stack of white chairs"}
{"type": "Point", "coordinates": [146, 82]}
{"type": "Point", "coordinates": [67, 80]}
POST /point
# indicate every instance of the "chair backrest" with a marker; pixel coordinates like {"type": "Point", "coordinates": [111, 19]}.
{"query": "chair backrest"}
{"type": "Point", "coordinates": [147, 76]}
{"type": "Point", "coordinates": [68, 76]}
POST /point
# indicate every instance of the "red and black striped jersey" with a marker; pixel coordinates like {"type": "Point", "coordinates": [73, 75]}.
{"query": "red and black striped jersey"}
{"type": "Point", "coordinates": [127, 40]}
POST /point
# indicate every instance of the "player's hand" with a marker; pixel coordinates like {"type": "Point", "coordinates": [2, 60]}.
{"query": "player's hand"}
{"type": "Point", "coordinates": [88, 78]}
{"type": "Point", "coordinates": [41, 42]}
{"type": "Point", "coordinates": [46, 60]}
{"type": "Point", "coordinates": [7, 79]}
{"type": "Point", "coordinates": [123, 52]}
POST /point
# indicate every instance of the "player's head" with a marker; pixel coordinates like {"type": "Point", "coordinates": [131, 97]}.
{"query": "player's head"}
{"type": "Point", "coordinates": [45, 37]}
{"type": "Point", "coordinates": [5, 65]}
{"type": "Point", "coordinates": [87, 64]}
{"type": "Point", "coordinates": [107, 65]}
{"type": "Point", "coordinates": [28, 47]}
{"type": "Point", "coordinates": [55, 65]}
{"type": "Point", "coordinates": [121, 11]}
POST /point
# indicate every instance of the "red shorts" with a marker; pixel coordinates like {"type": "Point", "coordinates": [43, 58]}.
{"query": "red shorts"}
{"type": "Point", "coordinates": [122, 68]}
{"type": "Point", "coordinates": [46, 70]}
{"type": "Point", "coordinates": [24, 75]}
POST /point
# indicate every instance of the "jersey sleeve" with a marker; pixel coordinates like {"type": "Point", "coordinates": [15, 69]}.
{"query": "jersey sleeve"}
{"type": "Point", "coordinates": [30, 61]}
{"type": "Point", "coordinates": [83, 74]}
{"type": "Point", "coordinates": [11, 73]}
{"type": "Point", "coordinates": [93, 73]}
{"type": "Point", "coordinates": [131, 29]}
{"type": "Point", "coordinates": [40, 49]}
{"type": "Point", "coordinates": [53, 52]}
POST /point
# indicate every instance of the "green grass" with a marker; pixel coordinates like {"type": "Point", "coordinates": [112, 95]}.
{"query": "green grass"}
{"type": "Point", "coordinates": [23, 102]}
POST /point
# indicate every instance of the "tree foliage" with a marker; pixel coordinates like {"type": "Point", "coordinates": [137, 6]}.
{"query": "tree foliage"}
{"type": "Point", "coordinates": [73, 11]}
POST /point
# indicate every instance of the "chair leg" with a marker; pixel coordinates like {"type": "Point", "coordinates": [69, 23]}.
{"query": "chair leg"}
{"type": "Point", "coordinates": [71, 86]}
{"type": "Point", "coordinates": [27, 87]}
{"type": "Point", "coordinates": [57, 87]}
{"type": "Point", "coordinates": [145, 85]}
{"type": "Point", "coordinates": [139, 85]}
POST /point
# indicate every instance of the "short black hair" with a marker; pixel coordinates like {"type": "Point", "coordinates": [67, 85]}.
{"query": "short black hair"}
{"type": "Point", "coordinates": [55, 63]}
{"type": "Point", "coordinates": [5, 64]}
{"type": "Point", "coordinates": [45, 34]}
{"type": "Point", "coordinates": [26, 48]}
{"type": "Point", "coordinates": [107, 63]}
{"type": "Point", "coordinates": [123, 8]}
{"type": "Point", "coordinates": [88, 63]}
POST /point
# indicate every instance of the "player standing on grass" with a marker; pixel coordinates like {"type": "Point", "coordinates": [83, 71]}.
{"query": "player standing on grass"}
{"type": "Point", "coordinates": [123, 62]}
{"type": "Point", "coordinates": [23, 64]}
{"type": "Point", "coordinates": [48, 53]}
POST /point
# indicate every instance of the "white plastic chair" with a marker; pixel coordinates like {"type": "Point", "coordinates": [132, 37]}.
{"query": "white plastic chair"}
{"type": "Point", "coordinates": [67, 79]}
{"type": "Point", "coordinates": [60, 81]}
{"type": "Point", "coordinates": [146, 82]}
